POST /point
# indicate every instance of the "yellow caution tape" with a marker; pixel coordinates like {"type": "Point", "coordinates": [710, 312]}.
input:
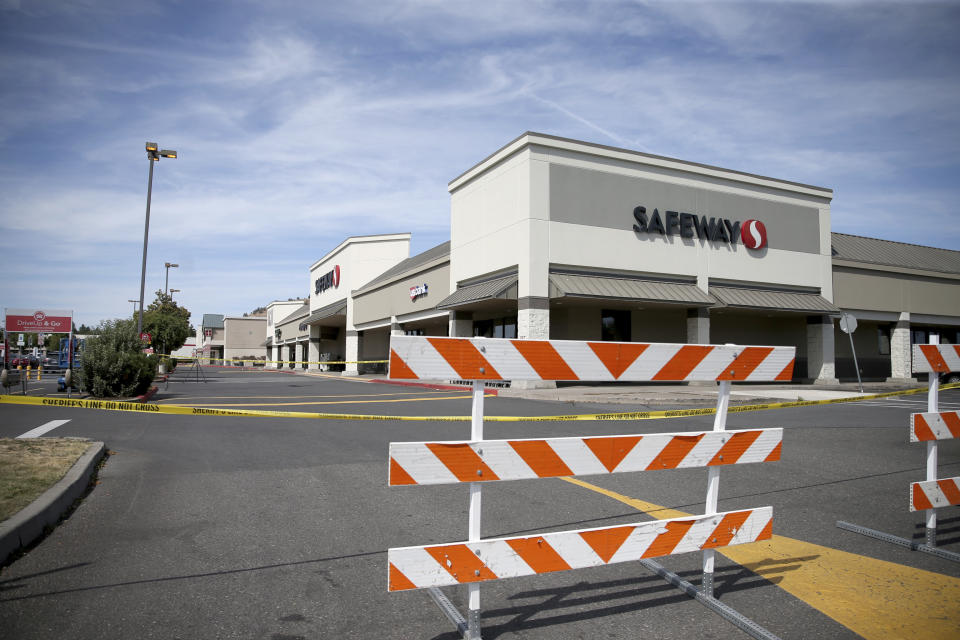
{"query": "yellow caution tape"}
{"type": "Point", "coordinates": [110, 405]}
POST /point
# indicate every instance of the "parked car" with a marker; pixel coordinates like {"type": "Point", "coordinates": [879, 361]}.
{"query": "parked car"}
{"type": "Point", "coordinates": [24, 361]}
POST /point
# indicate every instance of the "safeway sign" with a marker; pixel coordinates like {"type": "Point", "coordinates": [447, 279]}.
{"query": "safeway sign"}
{"type": "Point", "coordinates": [39, 320]}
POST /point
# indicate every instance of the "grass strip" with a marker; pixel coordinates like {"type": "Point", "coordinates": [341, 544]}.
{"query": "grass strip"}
{"type": "Point", "coordinates": [30, 466]}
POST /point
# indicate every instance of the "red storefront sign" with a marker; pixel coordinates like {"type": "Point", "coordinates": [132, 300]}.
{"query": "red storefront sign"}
{"type": "Point", "coordinates": [39, 320]}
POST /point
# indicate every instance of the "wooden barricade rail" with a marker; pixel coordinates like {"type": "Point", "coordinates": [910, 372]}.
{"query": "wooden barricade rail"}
{"type": "Point", "coordinates": [476, 461]}
{"type": "Point", "coordinates": [930, 427]}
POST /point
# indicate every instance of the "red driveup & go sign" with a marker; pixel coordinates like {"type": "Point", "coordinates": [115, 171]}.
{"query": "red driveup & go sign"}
{"type": "Point", "coordinates": [39, 320]}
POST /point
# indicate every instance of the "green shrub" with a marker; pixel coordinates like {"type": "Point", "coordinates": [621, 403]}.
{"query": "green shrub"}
{"type": "Point", "coordinates": [114, 364]}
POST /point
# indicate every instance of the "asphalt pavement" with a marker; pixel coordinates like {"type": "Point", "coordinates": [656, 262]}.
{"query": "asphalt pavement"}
{"type": "Point", "coordinates": [254, 527]}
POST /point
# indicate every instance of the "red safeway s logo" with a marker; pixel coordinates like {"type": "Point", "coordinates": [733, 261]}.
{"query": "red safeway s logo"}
{"type": "Point", "coordinates": [753, 234]}
{"type": "Point", "coordinates": [336, 276]}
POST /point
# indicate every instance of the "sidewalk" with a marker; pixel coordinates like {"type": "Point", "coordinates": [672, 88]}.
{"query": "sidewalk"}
{"type": "Point", "coordinates": [655, 394]}
{"type": "Point", "coordinates": [686, 395]}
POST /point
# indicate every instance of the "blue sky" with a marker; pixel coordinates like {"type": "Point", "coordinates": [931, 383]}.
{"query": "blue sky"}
{"type": "Point", "coordinates": [301, 123]}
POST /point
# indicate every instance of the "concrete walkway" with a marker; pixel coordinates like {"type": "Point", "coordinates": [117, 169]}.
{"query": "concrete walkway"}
{"type": "Point", "coordinates": [678, 395]}
{"type": "Point", "coordinates": [685, 395]}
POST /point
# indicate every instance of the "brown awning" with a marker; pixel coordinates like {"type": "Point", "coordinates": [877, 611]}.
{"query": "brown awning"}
{"type": "Point", "coordinates": [796, 301]}
{"type": "Point", "coordinates": [338, 308]}
{"type": "Point", "coordinates": [497, 289]}
{"type": "Point", "coordinates": [610, 288]}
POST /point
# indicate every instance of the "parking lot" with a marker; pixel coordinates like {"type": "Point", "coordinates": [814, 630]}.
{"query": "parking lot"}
{"type": "Point", "coordinates": [263, 527]}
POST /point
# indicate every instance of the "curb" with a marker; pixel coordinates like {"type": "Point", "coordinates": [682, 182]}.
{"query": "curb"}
{"type": "Point", "coordinates": [149, 394]}
{"type": "Point", "coordinates": [28, 524]}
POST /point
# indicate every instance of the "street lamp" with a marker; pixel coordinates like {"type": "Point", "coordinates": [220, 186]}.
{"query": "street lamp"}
{"type": "Point", "coordinates": [166, 282]}
{"type": "Point", "coordinates": [134, 305]}
{"type": "Point", "coordinates": [173, 291]}
{"type": "Point", "coordinates": [153, 155]}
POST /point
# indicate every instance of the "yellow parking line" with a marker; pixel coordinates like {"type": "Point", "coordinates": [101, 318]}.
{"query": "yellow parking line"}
{"type": "Point", "coordinates": [873, 598]}
{"type": "Point", "coordinates": [292, 404]}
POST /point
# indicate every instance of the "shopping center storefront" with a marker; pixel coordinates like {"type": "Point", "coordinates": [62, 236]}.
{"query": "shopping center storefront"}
{"type": "Point", "coordinates": [557, 238]}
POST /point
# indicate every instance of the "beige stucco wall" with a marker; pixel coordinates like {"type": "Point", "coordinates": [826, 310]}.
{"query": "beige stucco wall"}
{"type": "Point", "coordinates": [394, 299]}
{"type": "Point", "coordinates": [244, 333]}
{"type": "Point", "coordinates": [491, 226]}
{"type": "Point", "coordinates": [361, 259]}
{"type": "Point", "coordinates": [555, 202]}
{"type": "Point", "coordinates": [291, 329]}
{"type": "Point", "coordinates": [890, 291]}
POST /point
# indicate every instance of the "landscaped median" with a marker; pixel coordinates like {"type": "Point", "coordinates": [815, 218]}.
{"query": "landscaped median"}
{"type": "Point", "coordinates": [40, 479]}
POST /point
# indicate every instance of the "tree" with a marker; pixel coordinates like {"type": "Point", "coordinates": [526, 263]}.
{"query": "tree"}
{"type": "Point", "coordinates": [114, 364]}
{"type": "Point", "coordinates": [167, 323]}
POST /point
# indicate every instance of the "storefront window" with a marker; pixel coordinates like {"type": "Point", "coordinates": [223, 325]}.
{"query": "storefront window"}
{"type": "Point", "coordinates": [615, 325]}
{"type": "Point", "coordinates": [883, 341]}
{"type": "Point", "coordinates": [947, 335]}
{"type": "Point", "coordinates": [496, 328]}
{"type": "Point", "coordinates": [413, 332]}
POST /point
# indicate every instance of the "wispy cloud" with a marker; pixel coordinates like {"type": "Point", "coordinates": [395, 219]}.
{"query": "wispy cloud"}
{"type": "Point", "coordinates": [306, 122]}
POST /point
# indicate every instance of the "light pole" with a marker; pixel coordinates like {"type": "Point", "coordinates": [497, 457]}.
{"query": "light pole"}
{"type": "Point", "coordinates": [166, 282]}
{"type": "Point", "coordinates": [134, 305]}
{"type": "Point", "coordinates": [173, 291]}
{"type": "Point", "coordinates": [153, 155]}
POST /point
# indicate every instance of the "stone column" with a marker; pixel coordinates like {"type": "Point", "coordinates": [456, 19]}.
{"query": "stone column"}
{"type": "Point", "coordinates": [461, 324]}
{"type": "Point", "coordinates": [533, 317]}
{"type": "Point", "coordinates": [395, 328]}
{"type": "Point", "coordinates": [821, 368]}
{"type": "Point", "coordinates": [533, 321]}
{"type": "Point", "coordinates": [698, 326]}
{"type": "Point", "coordinates": [352, 353]}
{"type": "Point", "coordinates": [900, 351]}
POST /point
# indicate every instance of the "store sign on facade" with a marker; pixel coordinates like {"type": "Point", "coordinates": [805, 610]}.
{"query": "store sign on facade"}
{"type": "Point", "coordinates": [327, 280]}
{"type": "Point", "coordinates": [417, 291]}
{"type": "Point", "coordinates": [752, 233]}
{"type": "Point", "coordinates": [39, 320]}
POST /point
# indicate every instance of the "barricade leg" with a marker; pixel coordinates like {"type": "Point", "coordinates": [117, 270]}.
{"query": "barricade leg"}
{"type": "Point", "coordinates": [713, 483]}
{"type": "Point", "coordinates": [473, 590]}
{"type": "Point", "coordinates": [932, 407]}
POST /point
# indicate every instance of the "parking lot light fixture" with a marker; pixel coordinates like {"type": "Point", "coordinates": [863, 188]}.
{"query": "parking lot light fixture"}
{"type": "Point", "coordinates": [173, 291]}
{"type": "Point", "coordinates": [166, 282]}
{"type": "Point", "coordinates": [154, 153]}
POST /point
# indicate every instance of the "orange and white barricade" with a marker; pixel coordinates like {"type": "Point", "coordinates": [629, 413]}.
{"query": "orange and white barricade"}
{"type": "Point", "coordinates": [477, 460]}
{"type": "Point", "coordinates": [930, 427]}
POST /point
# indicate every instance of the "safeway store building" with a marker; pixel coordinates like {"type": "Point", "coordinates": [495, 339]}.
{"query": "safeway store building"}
{"type": "Point", "coordinates": [563, 239]}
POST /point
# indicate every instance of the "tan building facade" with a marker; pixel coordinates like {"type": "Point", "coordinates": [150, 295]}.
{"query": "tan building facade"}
{"type": "Point", "coordinates": [277, 339]}
{"type": "Point", "coordinates": [564, 239]}
{"type": "Point", "coordinates": [243, 338]}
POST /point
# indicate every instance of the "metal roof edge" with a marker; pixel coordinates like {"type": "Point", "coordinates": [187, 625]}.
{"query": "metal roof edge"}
{"type": "Point", "coordinates": [529, 138]}
{"type": "Point", "coordinates": [360, 239]}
